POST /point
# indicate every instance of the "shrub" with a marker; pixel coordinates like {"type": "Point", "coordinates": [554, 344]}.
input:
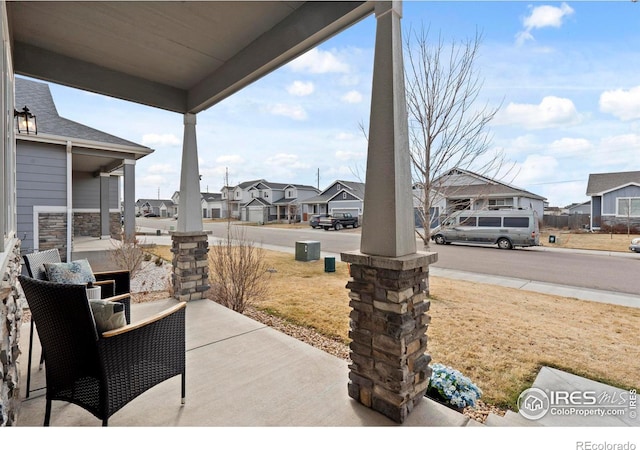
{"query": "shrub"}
{"type": "Point", "coordinates": [237, 272]}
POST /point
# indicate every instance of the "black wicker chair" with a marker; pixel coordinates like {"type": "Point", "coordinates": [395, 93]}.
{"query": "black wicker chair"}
{"type": "Point", "coordinates": [114, 285]}
{"type": "Point", "coordinates": [102, 372]}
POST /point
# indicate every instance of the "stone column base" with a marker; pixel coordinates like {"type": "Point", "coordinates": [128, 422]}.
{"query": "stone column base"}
{"type": "Point", "coordinates": [390, 367]}
{"type": "Point", "coordinates": [190, 265]}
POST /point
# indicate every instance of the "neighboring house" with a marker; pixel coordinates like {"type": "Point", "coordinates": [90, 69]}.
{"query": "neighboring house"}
{"type": "Point", "coordinates": [579, 208]}
{"type": "Point", "coordinates": [615, 199]}
{"type": "Point", "coordinates": [159, 207]}
{"type": "Point", "coordinates": [237, 196]}
{"type": "Point", "coordinates": [460, 189]}
{"type": "Point", "coordinates": [213, 206]}
{"type": "Point", "coordinates": [68, 176]}
{"type": "Point", "coordinates": [339, 196]}
{"type": "Point", "coordinates": [262, 201]}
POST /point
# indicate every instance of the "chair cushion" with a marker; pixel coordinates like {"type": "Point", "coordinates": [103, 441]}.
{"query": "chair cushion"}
{"type": "Point", "coordinates": [107, 315]}
{"type": "Point", "coordinates": [74, 272]}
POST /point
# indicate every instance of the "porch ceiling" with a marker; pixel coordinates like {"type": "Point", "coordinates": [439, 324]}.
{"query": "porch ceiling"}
{"type": "Point", "coordinates": [178, 56]}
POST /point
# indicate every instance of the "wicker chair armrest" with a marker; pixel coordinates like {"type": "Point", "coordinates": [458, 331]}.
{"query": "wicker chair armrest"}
{"type": "Point", "coordinates": [108, 288]}
{"type": "Point", "coordinates": [145, 322]}
{"type": "Point", "coordinates": [125, 299]}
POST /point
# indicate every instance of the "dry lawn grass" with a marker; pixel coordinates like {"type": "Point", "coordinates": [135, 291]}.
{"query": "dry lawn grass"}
{"type": "Point", "coordinates": [498, 336]}
{"type": "Point", "coordinates": [588, 241]}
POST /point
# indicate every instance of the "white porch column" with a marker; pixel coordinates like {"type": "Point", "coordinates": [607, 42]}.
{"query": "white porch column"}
{"type": "Point", "coordinates": [129, 182]}
{"type": "Point", "coordinates": [388, 224]}
{"type": "Point", "coordinates": [190, 214]}
{"type": "Point", "coordinates": [105, 233]}
{"type": "Point", "coordinates": [190, 246]}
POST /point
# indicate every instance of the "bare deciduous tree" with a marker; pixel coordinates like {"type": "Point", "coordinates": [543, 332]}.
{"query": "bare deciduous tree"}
{"type": "Point", "coordinates": [446, 128]}
{"type": "Point", "coordinates": [237, 271]}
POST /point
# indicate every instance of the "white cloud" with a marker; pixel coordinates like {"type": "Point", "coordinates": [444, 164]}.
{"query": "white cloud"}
{"type": "Point", "coordinates": [162, 168]}
{"type": "Point", "coordinates": [570, 146]}
{"type": "Point", "coordinates": [152, 180]}
{"type": "Point", "coordinates": [534, 168]}
{"type": "Point", "coordinates": [319, 61]}
{"type": "Point", "coordinates": [230, 159]}
{"type": "Point", "coordinates": [625, 105]}
{"type": "Point", "coordinates": [300, 88]}
{"type": "Point", "coordinates": [345, 155]}
{"type": "Point", "coordinates": [619, 150]}
{"type": "Point", "coordinates": [352, 97]}
{"type": "Point", "coordinates": [295, 112]}
{"type": "Point", "coordinates": [286, 161]}
{"type": "Point", "coordinates": [551, 112]}
{"type": "Point", "coordinates": [153, 139]}
{"type": "Point", "coordinates": [542, 17]}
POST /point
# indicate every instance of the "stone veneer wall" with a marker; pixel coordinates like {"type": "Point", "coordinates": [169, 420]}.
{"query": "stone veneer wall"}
{"type": "Point", "coordinates": [88, 224]}
{"type": "Point", "coordinates": [52, 232]}
{"type": "Point", "coordinates": [190, 265]}
{"type": "Point", "coordinates": [390, 367]}
{"type": "Point", "coordinates": [10, 320]}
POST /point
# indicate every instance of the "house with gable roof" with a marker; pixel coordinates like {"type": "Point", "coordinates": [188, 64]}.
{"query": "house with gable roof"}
{"type": "Point", "coordinates": [276, 201]}
{"type": "Point", "coordinates": [615, 199]}
{"type": "Point", "coordinates": [159, 207]}
{"type": "Point", "coordinates": [339, 196]}
{"type": "Point", "coordinates": [69, 177]}
{"type": "Point", "coordinates": [460, 189]}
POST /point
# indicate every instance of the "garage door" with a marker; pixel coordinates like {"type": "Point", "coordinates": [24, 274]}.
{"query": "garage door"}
{"type": "Point", "coordinates": [255, 215]}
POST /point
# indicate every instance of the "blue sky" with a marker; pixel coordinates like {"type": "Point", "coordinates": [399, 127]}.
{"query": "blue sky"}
{"type": "Point", "coordinates": [567, 75]}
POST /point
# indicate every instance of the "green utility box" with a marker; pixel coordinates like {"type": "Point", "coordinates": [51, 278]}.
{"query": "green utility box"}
{"type": "Point", "coordinates": [329, 264]}
{"type": "Point", "coordinates": [307, 250]}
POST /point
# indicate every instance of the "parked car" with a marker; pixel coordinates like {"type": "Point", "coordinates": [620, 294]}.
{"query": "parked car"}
{"type": "Point", "coordinates": [338, 221]}
{"type": "Point", "coordinates": [315, 220]}
{"type": "Point", "coordinates": [635, 245]}
{"type": "Point", "coordinates": [508, 228]}
{"type": "Point", "coordinates": [151, 215]}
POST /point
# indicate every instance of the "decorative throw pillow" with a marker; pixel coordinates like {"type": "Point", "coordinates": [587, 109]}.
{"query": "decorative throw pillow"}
{"type": "Point", "coordinates": [107, 315]}
{"type": "Point", "coordinates": [74, 272]}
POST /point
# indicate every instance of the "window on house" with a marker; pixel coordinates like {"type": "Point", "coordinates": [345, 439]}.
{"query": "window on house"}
{"type": "Point", "coordinates": [344, 196]}
{"type": "Point", "coordinates": [629, 207]}
{"type": "Point", "coordinates": [266, 195]}
{"type": "Point", "coordinates": [338, 187]}
{"type": "Point", "coordinates": [500, 202]}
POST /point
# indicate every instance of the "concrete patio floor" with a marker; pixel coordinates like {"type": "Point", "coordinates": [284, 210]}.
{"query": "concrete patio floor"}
{"type": "Point", "coordinates": [239, 373]}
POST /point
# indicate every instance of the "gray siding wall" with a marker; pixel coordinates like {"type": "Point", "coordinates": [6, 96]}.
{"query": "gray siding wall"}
{"type": "Point", "coordinates": [609, 199]}
{"type": "Point", "coordinates": [41, 181]}
{"type": "Point", "coordinates": [86, 191]}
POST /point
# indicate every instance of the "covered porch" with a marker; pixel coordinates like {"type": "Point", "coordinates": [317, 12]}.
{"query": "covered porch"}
{"type": "Point", "coordinates": [239, 373]}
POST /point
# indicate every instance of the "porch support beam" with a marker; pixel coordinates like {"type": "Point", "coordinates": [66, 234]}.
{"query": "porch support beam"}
{"type": "Point", "coordinates": [129, 182]}
{"type": "Point", "coordinates": [388, 223]}
{"type": "Point", "coordinates": [190, 243]}
{"type": "Point", "coordinates": [105, 232]}
{"type": "Point", "coordinates": [389, 286]}
{"type": "Point", "coordinates": [189, 212]}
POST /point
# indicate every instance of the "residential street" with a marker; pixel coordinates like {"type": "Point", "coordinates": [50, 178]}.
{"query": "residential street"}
{"type": "Point", "coordinates": [590, 270]}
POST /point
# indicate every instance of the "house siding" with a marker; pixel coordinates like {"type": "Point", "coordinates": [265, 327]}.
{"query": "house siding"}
{"type": "Point", "coordinates": [609, 199]}
{"type": "Point", "coordinates": [41, 181]}
{"type": "Point", "coordinates": [86, 191]}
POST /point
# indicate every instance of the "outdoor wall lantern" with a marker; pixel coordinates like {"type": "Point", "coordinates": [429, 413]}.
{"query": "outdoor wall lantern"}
{"type": "Point", "coordinates": [26, 121]}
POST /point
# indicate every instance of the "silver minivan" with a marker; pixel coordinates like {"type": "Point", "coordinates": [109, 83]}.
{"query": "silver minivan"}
{"type": "Point", "coordinates": [508, 228]}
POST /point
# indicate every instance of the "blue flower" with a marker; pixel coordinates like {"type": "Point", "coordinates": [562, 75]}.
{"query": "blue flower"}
{"type": "Point", "coordinates": [452, 387]}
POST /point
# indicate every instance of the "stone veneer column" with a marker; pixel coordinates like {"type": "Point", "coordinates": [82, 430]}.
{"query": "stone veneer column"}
{"type": "Point", "coordinates": [388, 328]}
{"type": "Point", "coordinates": [190, 265]}
{"type": "Point", "coordinates": [10, 320]}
